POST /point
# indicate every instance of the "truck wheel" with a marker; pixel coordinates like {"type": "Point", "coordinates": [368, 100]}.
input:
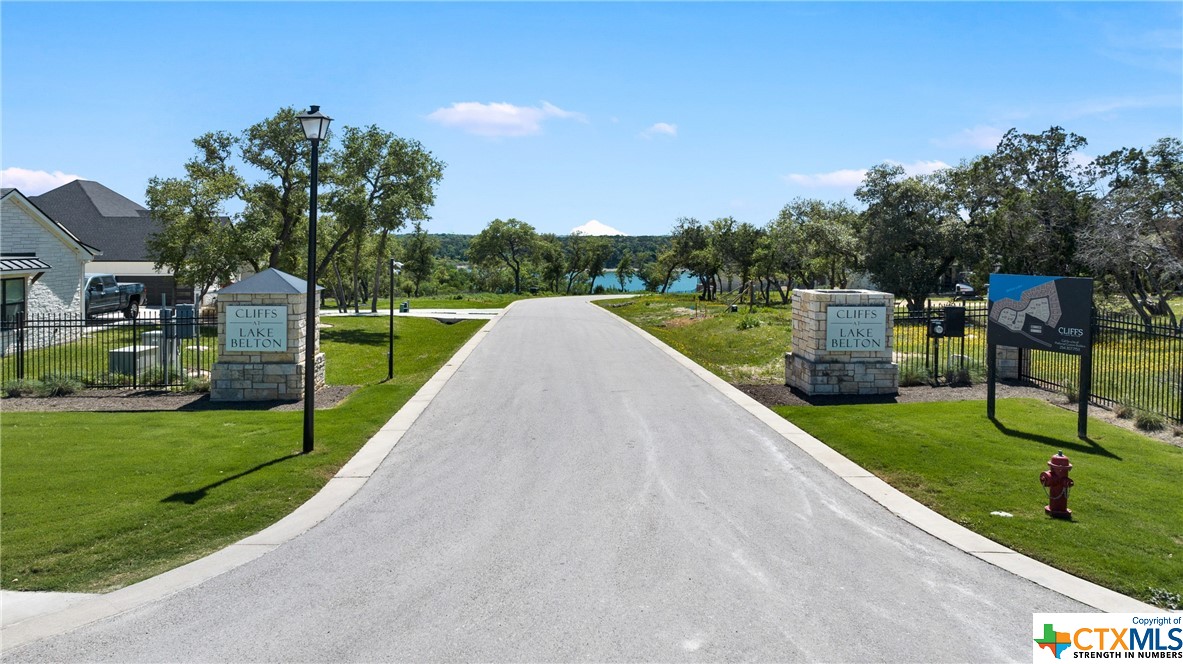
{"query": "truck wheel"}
{"type": "Point", "coordinates": [132, 310]}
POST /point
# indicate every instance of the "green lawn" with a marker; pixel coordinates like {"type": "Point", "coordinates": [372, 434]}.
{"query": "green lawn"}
{"type": "Point", "coordinates": [1127, 531]}
{"type": "Point", "coordinates": [95, 501]}
{"type": "Point", "coordinates": [709, 332]}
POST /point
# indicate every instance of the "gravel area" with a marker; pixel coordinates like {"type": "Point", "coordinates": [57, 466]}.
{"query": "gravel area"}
{"type": "Point", "coordinates": [161, 400]}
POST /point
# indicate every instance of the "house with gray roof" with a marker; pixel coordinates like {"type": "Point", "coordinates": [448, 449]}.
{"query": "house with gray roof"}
{"type": "Point", "coordinates": [118, 226]}
{"type": "Point", "coordinates": [42, 263]}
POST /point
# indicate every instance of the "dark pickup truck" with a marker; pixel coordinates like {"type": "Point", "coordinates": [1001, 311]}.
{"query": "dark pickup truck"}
{"type": "Point", "coordinates": [104, 294]}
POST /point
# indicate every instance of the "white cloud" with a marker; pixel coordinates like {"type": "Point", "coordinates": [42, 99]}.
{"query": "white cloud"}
{"type": "Point", "coordinates": [595, 227]}
{"type": "Point", "coordinates": [921, 167]}
{"type": "Point", "coordinates": [845, 178]}
{"type": "Point", "coordinates": [1114, 104]}
{"type": "Point", "coordinates": [982, 137]}
{"type": "Point", "coordinates": [34, 183]}
{"type": "Point", "coordinates": [500, 119]}
{"type": "Point", "coordinates": [850, 178]}
{"type": "Point", "coordinates": [660, 129]}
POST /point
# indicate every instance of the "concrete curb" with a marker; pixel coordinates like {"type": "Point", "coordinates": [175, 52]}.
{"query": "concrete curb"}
{"type": "Point", "coordinates": [908, 509]}
{"type": "Point", "coordinates": [352, 476]}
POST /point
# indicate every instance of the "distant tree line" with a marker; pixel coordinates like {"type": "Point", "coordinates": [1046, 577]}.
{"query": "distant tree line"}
{"type": "Point", "coordinates": [1033, 205]}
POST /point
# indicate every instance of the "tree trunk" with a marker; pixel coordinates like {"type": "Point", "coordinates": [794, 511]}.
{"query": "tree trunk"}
{"type": "Point", "coordinates": [356, 269]}
{"type": "Point", "coordinates": [341, 303]}
{"type": "Point", "coordinates": [382, 258]}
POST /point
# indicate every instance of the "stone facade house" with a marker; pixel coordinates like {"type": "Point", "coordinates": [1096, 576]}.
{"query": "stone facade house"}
{"type": "Point", "coordinates": [43, 262]}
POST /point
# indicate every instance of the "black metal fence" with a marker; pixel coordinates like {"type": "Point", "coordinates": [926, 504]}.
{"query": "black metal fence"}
{"type": "Point", "coordinates": [924, 360]}
{"type": "Point", "coordinates": [1134, 364]}
{"type": "Point", "coordinates": [161, 348]}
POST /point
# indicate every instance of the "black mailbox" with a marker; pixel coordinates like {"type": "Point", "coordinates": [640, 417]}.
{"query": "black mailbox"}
{"type": "Point", "coordinates": [954, 321]}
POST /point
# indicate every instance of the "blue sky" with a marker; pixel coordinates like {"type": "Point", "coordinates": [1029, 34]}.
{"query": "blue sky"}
{"type": "Point", "coordinates": [557, 114]}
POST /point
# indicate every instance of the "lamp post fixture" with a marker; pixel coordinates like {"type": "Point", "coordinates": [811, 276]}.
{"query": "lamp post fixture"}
{"type": "Point", "coordinates": [395, 268]}
{"type": "Point", "coordinates": [316, 128]}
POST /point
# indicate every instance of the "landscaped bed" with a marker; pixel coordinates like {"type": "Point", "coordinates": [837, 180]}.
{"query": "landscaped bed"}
{"type": "Point", "coordinates": [95, 501]}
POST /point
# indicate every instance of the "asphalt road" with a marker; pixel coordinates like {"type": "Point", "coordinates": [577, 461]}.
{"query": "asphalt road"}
{"type": "Point", "coordinates": [573, 494]}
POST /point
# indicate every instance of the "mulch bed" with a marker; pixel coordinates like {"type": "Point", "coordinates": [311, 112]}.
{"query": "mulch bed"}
{"type": "Point", "coordinates": [782, 395]}
{"type": "Point", "coordinates": [161, 400]}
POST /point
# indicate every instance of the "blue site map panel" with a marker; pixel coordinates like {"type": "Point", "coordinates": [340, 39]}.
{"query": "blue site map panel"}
{"type": "Point", "coordinates": [1044, 313]}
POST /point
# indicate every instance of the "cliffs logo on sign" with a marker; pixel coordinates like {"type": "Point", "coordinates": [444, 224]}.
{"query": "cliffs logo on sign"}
{"type": "Point", "coordinates": [1107, 636]}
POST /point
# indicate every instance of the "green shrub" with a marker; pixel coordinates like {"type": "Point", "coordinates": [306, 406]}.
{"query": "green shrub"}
{"type": "Point", "coordinates": [197, 384]}
{"type": "Point", "coordinates": [1124, 411]}
{"type": "Point", "coordinates": [1149, 421]}
{"type": "Point", "coordinates": [1071, 391]}
{"type": "Point", "coordinates": [58, 385]}
{"type": "Point", "coordinates": [748, 322]}
{"type": "Point", "coordinates": [106, 379]}
{"type": "Point", "coordinates": [959, 376]}
{"type": "Point", "coordinates": [20, 387]}
{"type": "Point", "coordinates": [160, 376]}
{"type": "Point", "coordinates": [912, 376]}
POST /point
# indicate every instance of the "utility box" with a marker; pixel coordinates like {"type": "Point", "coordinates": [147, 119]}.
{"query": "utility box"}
{"type": "Point", "coordinates": [132, 360]}
{"type": "Point", "coordinates": [404, 307]}
{"type": "Point", "coordinates": [185, 321]}
{"type": "Point", "coordinates": [954, 321]}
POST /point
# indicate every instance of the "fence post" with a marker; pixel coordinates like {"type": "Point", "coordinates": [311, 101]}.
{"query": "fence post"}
{"type": "Point", "coordinates": [20, 345]}
{"type": "Point", "coordinates": [135, 354]}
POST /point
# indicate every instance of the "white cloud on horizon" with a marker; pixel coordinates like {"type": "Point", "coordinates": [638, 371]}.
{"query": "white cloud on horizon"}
{"type": "Point", "coordinates": [660, 129]}
{"type": "Point", "coordinates": [982, 137]}
{"type": "Point", "coordinates": [34, 183]}
{"type": "Point", "coordinates": [921, 167]}
{"type": "Point", "coordinates": [500, 119]}
{"type": "Point", "coordinates": [846, 178]}
{"type": "Point", "coordinates": [851, 178]}
{"type": "Point", "coordinates": [1113, 104]}
{"type": "Point", "coordinates": [596, 227]}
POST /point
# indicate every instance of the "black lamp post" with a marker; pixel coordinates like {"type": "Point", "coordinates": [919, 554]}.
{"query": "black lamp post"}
{"type": "Point", "coordinates": [395, 268]}
{"type": "Point", "coordinates": [316, 128]}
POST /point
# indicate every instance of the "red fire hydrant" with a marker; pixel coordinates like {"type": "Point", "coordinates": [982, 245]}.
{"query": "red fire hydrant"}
{"type": "Point", "coordinates": [1056, 483]}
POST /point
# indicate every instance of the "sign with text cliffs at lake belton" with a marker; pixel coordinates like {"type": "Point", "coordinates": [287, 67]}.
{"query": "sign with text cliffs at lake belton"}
{"type": "Point", "coordinates": [855, 328]}
{"type": "Point", "coordinates": [1041, 313]}
{"type": "Point", "coordinates": [259, 328]}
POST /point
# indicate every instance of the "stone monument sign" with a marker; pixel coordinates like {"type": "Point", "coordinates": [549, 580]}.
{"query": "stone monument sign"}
{"type": "Point", "coordinates": [842, 343]}
{"type": "Point", "coordinates": [261, 337]}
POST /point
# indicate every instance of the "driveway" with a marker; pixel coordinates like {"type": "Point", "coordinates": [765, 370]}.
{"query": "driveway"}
{"type": "Point", "coordinates": [572, 493]}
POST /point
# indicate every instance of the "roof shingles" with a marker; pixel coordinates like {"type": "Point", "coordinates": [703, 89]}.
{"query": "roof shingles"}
{"type": "Point", "coordinates": [101, 217]}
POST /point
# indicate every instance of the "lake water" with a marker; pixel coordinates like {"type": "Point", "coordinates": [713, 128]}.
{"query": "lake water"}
{"type": "Point", "coordinates": [683, 284]}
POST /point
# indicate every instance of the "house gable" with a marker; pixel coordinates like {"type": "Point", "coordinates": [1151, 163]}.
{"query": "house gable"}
{"type": "Point", "coordinates": [27, 232]}
{"type": "Point", "coordinates": [117, 225]}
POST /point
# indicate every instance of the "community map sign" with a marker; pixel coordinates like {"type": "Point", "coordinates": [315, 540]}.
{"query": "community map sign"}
{"type": "Point", "coordinates": [1043, 313]}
